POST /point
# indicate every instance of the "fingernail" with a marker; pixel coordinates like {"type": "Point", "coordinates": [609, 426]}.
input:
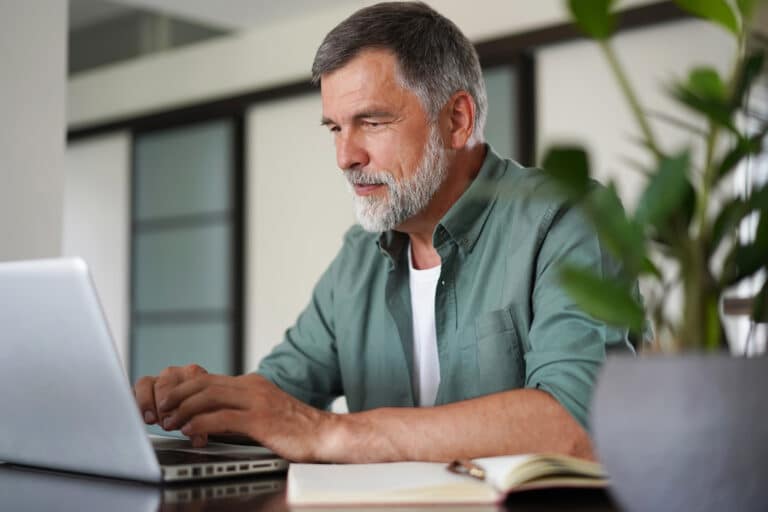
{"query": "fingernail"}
{"type": "Point", "coordinates": [185, 429]}
{"type": "Point", "coordinates": [168, 423]}
{"type": "Point", "coordinates": [149, 417]}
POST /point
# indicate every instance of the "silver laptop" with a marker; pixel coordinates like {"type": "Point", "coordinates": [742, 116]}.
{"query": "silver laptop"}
{"type": "Point", "coordinates": [33, 489]}
{"type": "Point", "coordinates": [65, 401]}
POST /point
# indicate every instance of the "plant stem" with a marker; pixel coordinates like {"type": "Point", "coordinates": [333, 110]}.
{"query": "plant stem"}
{"type": "Point", "coordinates": [631, 97]}
{"type": "Point", "coordinates": [709, 178]}
{"type": "Point", "coordinates": [693, 320]}
{"type": "Point", "coordinates": [701, 326]}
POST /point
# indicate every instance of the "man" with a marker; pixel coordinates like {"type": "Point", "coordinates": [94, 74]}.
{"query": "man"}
{"type": "Point", "coordinates": [440, 319]}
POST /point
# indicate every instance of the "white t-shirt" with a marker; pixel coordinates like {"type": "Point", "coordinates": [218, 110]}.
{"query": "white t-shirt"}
{"type": "Point", "coordinates": [426, 364]}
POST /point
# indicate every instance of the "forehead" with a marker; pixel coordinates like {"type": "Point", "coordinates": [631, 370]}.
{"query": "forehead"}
{"type": "Point", "coordinates": [369, 77]}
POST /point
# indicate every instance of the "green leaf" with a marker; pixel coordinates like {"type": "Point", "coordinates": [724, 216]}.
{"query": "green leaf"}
{"type": "Point", "coordinates": [749, 71]}
{"type": "Point", "coordinates": [609, 301]}
{"type": "Point", "coordinates": [715, 111]}
{"type": "Point", "coordinates": [706, 83]}
{"type": "Point", "coordinates": [746, 8]}
{"type": "Point", "coordinates": [733, 212]}
{"type": "Point", "coordinates": [718, 11]}
{"type": "Point", "coordinates": [746, 260]}
{"type": "Point", "coordinates": [648, 267]}
{"type": "Point", "coordinates": [665, 193]}
{"type": "Point", "coordinates": [675, 231]}
{"type": "Point", "coordinates": [622, 236]}
{"type": "Point", "coordinates": [704, 93]}
{"type": "Point", "coordinates": [728, 221]}
{"type": "Point", "coordinates": [745, 146]}
{"type": "Point", "coordinates": [593, 17]}
{"type": "Point", "coordinates": [678, 123]}
{"type": "Point", "coordinates": [569, 166]}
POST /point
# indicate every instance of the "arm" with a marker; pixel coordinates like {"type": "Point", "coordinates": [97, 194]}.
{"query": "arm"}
{"type": "Point", "coordinates": [517, 421]}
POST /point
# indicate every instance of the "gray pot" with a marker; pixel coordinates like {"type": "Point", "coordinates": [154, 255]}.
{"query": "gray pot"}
{"type": "Point", "coordinates": [684, 433]}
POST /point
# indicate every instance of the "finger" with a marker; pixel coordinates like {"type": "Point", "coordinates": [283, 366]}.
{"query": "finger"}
{"type": "Point", "coordinates": [144, 391]}
{"type": "Point", "coordinates": [205, 399]}
{"type": "Point", "coordinates": [188, 388]}
{"type": "Point", "coordinates": [192, 370]}
{"type": "Point", "coordinates": [217, 422]}
{"type": "Point", "coordinates": [172, 377]}
{"type": "Point", "coordinates": [165, 382]}
{"type": "Point", "coordinates": [199, 441]}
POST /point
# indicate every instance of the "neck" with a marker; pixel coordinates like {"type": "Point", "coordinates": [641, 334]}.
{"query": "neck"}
{"type": "Point", "coordinates": [462, 170]}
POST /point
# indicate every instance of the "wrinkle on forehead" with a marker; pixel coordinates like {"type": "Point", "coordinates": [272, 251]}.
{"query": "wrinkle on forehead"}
{"type": "Point", "coordinates": [368, 81]}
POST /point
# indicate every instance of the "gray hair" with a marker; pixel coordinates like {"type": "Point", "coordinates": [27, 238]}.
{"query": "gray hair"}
{"type": "Point", "coordinates": [435, 60]}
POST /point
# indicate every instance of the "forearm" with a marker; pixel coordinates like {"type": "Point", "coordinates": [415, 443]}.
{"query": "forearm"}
{"type": "Point", "coordinates": [518, 421]}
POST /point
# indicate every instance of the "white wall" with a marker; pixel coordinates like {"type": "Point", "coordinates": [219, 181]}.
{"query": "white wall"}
{"type": "Point", "coordinates": [268, 56]}
{"type": "Point", "coordinates": [298, 211]}
{"type": "Point", "coordinates": [579, 100]}
{"type": "Point", "coordinates": [33, 60]}
{"type": "Point", "coordinates": [97, 222]}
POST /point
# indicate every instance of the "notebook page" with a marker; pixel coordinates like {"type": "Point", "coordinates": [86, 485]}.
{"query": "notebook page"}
{"type": "Point", "coordinates": [385, 483]}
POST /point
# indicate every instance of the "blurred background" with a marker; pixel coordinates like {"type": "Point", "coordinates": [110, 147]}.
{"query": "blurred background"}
{"type": "Point", "coordinates": [176, 146]}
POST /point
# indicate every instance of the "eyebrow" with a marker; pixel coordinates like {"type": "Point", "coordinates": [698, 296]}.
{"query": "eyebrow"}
{"type": "Point", "coordinates": [368, 114]}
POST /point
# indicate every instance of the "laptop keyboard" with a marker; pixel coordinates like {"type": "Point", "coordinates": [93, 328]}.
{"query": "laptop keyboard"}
{"type": "Point", "coordinates": [176, 457]}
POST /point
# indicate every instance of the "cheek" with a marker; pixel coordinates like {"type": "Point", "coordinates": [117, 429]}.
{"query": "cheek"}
{"type": "Point", "coordinates": [395, 152]}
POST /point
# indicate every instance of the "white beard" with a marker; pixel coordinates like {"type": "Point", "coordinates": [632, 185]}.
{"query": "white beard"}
{"type": "Point", "coordinates": [404, 198]}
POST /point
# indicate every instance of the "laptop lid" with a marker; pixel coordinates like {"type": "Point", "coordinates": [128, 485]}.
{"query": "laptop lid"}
{"type": "Point", "coordinates": [66, 401]}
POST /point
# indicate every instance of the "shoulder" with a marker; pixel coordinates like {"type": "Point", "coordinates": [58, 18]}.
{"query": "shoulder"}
{"type": "Point", "coordinates": [530, 185]}
{"type": "Point", "coordinates": [357, 237]}
{"type": "Point", "coordinates": [359, 249]}
{"type": "Point", "coordinates": [529, 196]}
{"type": "Point", "coordinates": [358, 244]}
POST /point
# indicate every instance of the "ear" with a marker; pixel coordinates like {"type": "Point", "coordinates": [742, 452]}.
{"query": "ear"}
{"type": "Point", "coordinates": [460, 118]}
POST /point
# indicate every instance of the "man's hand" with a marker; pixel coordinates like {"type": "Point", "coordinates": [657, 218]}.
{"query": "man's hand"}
{"type": "Point", "coordinates": [249, 404]}
{"type": "Point", "coordinates": [151, 391]}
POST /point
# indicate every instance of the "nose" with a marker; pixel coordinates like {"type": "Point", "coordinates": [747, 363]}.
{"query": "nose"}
{"type": "Point", "coordinates": [350, 153]}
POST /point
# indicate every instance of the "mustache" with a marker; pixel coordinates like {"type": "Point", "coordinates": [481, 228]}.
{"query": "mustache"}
{"type": "Point", "coordinates": [358, 177]}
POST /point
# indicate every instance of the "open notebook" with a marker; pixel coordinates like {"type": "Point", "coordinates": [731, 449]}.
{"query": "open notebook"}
{"type": "Point", "coordinates": [401, 483]}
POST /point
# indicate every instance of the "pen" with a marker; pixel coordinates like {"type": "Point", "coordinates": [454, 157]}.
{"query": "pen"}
{"type": "Point", "coordinates": [467, 467]}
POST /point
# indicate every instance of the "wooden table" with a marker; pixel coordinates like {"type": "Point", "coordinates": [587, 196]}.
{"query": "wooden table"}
{"type": "Point", "coordinates": [31, 490]}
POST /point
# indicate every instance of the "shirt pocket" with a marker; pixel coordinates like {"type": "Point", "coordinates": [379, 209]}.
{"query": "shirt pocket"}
{"type": "Point", "coordinates": [500, 364]}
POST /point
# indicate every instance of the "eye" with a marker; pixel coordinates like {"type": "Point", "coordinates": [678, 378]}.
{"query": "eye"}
{"type": "Point", "coordinates": [333, 128]}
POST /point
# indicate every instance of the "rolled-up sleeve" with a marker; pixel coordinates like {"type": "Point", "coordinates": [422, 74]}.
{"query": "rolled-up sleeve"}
{"type": "Point", "coordinates": [566, 345]}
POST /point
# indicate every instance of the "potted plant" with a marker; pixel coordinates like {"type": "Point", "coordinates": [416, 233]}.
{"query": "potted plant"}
{"type": "Point", "coordinates": [688, 432]}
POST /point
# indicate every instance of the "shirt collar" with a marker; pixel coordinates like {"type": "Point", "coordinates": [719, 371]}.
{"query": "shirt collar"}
{"type": "Point", "coordinates": [464, 221]}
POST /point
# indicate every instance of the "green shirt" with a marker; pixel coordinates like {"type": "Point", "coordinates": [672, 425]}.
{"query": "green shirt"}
{"type": "Point", "coordinates": [502, 320]}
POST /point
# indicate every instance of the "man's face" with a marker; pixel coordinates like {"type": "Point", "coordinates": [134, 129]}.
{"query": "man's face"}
{"type": "Point", "coordinates": [391, 153]}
